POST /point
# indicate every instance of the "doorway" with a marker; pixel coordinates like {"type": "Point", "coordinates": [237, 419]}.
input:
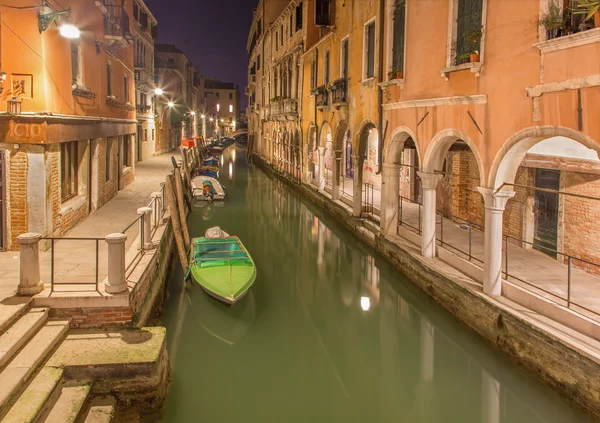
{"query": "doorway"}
{"type": "Point", "coordinates": [545, 234]}
{"type": "Point", "coordinates": [138, 150]}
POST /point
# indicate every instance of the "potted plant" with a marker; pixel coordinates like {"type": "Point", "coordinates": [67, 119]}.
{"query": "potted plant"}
{"type": "Point", "coordinates": [552, 20]}
{"type": "Point", "coordinates": [589, 8]}
{"type": "Point", "coordinates": [395, 73]}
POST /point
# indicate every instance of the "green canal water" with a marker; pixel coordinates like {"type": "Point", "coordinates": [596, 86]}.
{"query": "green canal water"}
{"type": "Point", "coordinates": [329, 331]}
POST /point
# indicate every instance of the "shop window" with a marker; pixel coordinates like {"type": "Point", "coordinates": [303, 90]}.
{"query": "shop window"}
{"type": "Point", "coordinates": [69, 169]}
{"type": "Point", "coordinates": [126, 151]}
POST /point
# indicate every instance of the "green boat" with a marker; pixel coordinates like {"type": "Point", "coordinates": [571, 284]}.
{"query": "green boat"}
{"type": "Point", "coordinates": [222, 267]}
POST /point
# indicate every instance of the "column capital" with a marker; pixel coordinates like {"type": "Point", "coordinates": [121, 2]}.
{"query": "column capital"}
{"type": "Point", "coordinates": [116, 238]}
{"type": "Point", "coordinates": [144, 210]}
{"type": "Point", "coordinates": [495, 201]}
{"type": "Point", "coordinates": [28, 238]}
{"type": "Point", "coordinates": [429, 180]}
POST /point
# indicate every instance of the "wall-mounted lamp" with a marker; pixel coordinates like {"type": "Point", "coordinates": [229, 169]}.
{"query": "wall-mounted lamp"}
{"type": "Point", "coordinates": [13, 106]}
{"type": "Point", "coordinates": [16, 146]}
{"type": "Point", "coordinates": [67, 30]}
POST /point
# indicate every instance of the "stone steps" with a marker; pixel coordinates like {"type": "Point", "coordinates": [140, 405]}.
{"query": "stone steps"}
{"type": "Point", "coordinates": [68, 407]}
{"type": "Point", "coordinates": [33, 400]}
{"type": "Point", "coordinates": [20, 332]}
{"type": "Point", "coordinates": [101, 410]}
{"type": "Point", "coordinates": [18, 371]}
{"type": "Point", "coordinates": [11, 310]}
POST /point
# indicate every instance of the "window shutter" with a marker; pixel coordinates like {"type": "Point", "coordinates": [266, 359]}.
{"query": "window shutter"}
{"type": "Point", "coordinates": [399, 31]}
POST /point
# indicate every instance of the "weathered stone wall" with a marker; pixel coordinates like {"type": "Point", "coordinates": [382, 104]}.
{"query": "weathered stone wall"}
{"type": "Point", "coordinates": [553, 360]}
{"type": "Point", "coordinates": [93, 317]}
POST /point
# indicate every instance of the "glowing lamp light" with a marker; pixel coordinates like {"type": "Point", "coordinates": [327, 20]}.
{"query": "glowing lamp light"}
{"type": "Point", "coordinates": [365, 303]}
{"type": "Point", "coordinates": [69, 31]}
{"type": "Point", "coordinates": [211, 119]}
{"type": "Point", "coordinates": [193, 113]}
{"type": "Point", "coordinates": [222, 120]}
{"type": "Point", "coordinates": [230, 171]}
{"type": "Point", "coordinates": [158, 91]}
{"type": "Point", "coordinates": [203, 116]}
{"type": "Point", "coordinates": [170, 104]}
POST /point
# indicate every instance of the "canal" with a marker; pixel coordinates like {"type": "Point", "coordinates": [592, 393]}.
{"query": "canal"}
{"type": "Point", "coordinates": [329, 332]}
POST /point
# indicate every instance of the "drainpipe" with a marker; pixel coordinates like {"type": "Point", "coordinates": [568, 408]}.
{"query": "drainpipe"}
{"type": "Point", "coordinates": [382, 131]}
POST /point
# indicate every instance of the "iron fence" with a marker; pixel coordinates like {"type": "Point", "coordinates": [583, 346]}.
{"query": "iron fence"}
{"type": "Point", "coordinates": [401, 219]}
{"type": "Point", "coordinates": [454, 245]}
{"type": "Point", "coordinates": [367, 199]}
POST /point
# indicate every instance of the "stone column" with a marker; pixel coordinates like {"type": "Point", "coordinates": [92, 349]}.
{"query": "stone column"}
{"type": "Point", "coordinates": [116, 282]}
{"type": "Point", "coordinates": [390, 188]}
{"type": "Point", "coordinates": [357, 185]}
{"type": "Point", "coordinates": [29, 262]}
{"type": "Point", "coordinates": [429, 182]}
{"type": "Point", "coordinates": [335, 183]}
{"type": "Point", "coordinates": [321, 168]}
{"type": "Point", "coordinates": [145, 227]}
{"type": "Point", "coordinates": [495, 202]}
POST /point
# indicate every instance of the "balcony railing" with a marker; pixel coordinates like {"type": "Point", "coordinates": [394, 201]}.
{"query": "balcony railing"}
{"type": "Point", "coordinates": [321, 96]}
{"type": "Point", "coordinates": [144, 109]}
{"type": "Point", "coordinates": [338, 91]}
{"type": "Point", "coordinates": [116, 22]}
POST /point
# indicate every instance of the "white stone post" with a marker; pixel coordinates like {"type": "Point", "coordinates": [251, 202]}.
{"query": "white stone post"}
{"type": "Point", "coordinates": [390, 188]}
{"type": "Point", "coordinates": [116, 282]}
{"type": "Point", "coordinates": [322, 174]}
{"type": "Point", "coordinates": [29, 262]}
{"type": "Point", "coordinates": [429, 182]}
{"type": "Point", "coordinates": [335, 183]}
{"type": "Point", "coordinates": [145, 227]}
{"type": "Point", "coordinates": [495, 202]}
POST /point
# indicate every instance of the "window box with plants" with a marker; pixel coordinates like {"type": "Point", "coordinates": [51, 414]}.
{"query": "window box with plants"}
{"type": "Point", "coordinates": [473, 43]}
{"type": "Point", "coordinates": [395, 73]}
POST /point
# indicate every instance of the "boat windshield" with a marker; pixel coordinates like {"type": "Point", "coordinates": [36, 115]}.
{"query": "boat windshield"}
{"type": "Point", "coordinates": [210, 252]}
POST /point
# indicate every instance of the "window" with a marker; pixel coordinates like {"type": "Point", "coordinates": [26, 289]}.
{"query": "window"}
{"type": "Point", "coordinates": [468, 22]}
{"type": "Point", "coordinates": [126, 151]}
{"type": "Point", "coordinates": [276, 40]}
{"type": "Point", "coordinates": [231, 96]}
{"type": "Point", "coordinates": [69, 167]}
{"type": "Point", "coordinates": [281, 32]}
{"type": "Point", "coordinates": [231, 108]}
{"type": "Point", "coordinates": [126, 88]}
{"type": "Point", "coordinates": [322, 12]}
{"type": "Point", "coordinates": [398, 36]}
{"type": "Point", "coordinates": [344, 59]}
{"type": "Point", "coordinates": [370, 50]}
{"type": "Point", "coordinates": [326, 68]}
{"type": "Point", "coordinates": [76, 63]}
{"type": "Point", "coordinates": [313, 74]}
{"type": "Point", "coordinates": [299, 17]}
{"type": "Point", "coordinates": [109, 79]}
{"type": "Point", "coordinates": [218, 107]}
{"type": "Point", "coordinates": [108, 159]}
{"type": "Point", "coordinates": [153, 134]}
{"type": "Point", "coordinates": [145, 135]}
{"type": "Point", "coordinates": [291, 24]}
{"type": "Point", "coordinates": [258, 62]}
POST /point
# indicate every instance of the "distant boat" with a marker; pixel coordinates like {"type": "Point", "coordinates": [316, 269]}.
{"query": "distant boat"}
{"type": "Point", "coordinates": [206, 188]}
{"type": "Point", "coordinates": [222, 267]}
{"type": "Point", "coordinates": [210, 161]}
{"type": "Point", "coordinates": [211, 171]}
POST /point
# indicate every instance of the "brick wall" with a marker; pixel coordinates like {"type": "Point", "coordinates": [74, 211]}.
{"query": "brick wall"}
{"type": "Point", "coordinates": [94, 317]}
{"type": "Point", "coordinates": [514, 219]}
{"type": "Point", "coordinates": [17, 196]}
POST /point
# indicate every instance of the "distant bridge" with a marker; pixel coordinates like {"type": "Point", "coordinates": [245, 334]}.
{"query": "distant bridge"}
{"type": "Point", "coordinates": [239, 132]}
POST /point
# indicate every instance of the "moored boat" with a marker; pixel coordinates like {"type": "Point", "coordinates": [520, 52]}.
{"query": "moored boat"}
{"type": "Point", "coordinates": [206, 188]}
{"type": "Point", "coordinates": [222, 267]}
{"type": "Point", "coordinates": [210, 161]}
{"type": "Point", "coordinates": [211, 171]}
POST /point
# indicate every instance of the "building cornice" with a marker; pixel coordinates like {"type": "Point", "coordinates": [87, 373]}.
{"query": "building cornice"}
{"type": "Point", "coordinates": [570, 41]}
{"type": "Point", "coordinates": [435, 102]}
{"type": "Point", "coordinates": [569, 84]}
{"type": "Point", "coordinates": [318, 43]}
{"type": "Point", "coordinates": [62, 118]}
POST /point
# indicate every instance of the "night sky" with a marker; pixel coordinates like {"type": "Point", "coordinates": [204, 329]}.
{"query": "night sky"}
{"type": "Point", "coordinates": [212, 34]}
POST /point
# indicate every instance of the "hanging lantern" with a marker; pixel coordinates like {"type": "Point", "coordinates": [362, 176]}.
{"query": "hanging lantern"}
{"type": "Point", "coordinates": [14, 106]}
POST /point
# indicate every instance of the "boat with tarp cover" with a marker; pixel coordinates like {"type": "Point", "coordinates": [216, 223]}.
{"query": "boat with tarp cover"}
{"type": "Point", "coordinates": [222, 267]}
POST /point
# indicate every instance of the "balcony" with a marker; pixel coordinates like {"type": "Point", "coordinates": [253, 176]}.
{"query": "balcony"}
{"type": "Point", "coordinates": [321, 96]}
{"type": "Point", "coordinates": [282, 109]}
{"type": "Point", "coordinates": [339, 92]}
{"type": "Point", "coordinates": [116, 26]}
{"type": "Point", "coordinates": [143, 108]}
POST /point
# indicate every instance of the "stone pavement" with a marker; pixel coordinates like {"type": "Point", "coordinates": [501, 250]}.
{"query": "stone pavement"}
{"type": "Point", "coordinates": [75, 260]}
{"type": "Point", "coordinates": [527, 268]}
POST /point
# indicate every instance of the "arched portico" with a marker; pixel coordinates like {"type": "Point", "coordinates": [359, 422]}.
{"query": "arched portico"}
{"type": "Point", "coordinates": [338, 149]}
{"type": "Point", "coordinates": [366, 153]}
{"type": "Point", "coordinates": [400, 164]}
{"type": "Point", "coordinates": [325, 154]}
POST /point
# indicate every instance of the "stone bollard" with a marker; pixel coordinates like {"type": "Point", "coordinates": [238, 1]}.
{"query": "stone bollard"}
{"type": "Point", "coordinates": [145, 227]}
{"type": "Point", "coordinates": [116, 263]}
{"type": "Point", "coordinates": [158, 207]}
{"type": "Point", "coordinates": [29, 280]}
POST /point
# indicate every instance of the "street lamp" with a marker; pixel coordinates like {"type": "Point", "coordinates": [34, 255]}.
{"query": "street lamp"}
{"type": "Point", "coordinates": [67, 30]}
{"type": "Point", "coordinates": [170, 104]}
{"type": "Point", "coordinates": [193, 113]}
{"type": "Point", "coordinates": [158, 91]}
{"type": "Point", "coordinates": [70, 31]}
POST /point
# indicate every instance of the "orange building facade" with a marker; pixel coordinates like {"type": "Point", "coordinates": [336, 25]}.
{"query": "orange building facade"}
{"type": "Point", "coordinates": [67, 113]}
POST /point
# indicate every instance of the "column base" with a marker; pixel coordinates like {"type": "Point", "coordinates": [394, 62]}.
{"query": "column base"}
{"type": "Point", "coordinates": [115, 289]}
{"type": "Point", "coordinates": [31, 290]}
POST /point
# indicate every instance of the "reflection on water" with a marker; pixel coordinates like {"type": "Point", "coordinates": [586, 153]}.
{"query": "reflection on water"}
{"type": "Point", "coordinates": [328, 332]}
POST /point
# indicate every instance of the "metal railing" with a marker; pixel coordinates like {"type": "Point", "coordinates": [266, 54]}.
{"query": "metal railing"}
{"type": "Point", "coordinates": [455, 245]}
{"type": "Point", "coordinates": [53, 243]}
{"type": "Point", "coordinates": [343, 186]}
{"type": "Point", "coordinates": [571, 269]}
{"type": "Point", "coordinates": [367, 199]}
{"type": "Point", "coordinates": [402, 221]}
{"type": "Point", "coordinates": [338, 91]}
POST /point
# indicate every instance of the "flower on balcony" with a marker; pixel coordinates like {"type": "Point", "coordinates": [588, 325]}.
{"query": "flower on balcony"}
{"type": "Point", "coordinates": [111, 98]}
